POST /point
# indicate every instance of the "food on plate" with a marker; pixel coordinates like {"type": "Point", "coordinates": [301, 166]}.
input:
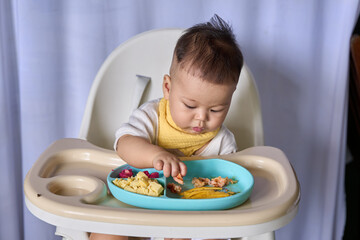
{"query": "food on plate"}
{"type": "Point", "coordinates": [179, 179]}
{"type": "Point", "coordinates": [204, 188]}
{"type": "Point", "coordinates": [174, 188]}
{"type": "Point", "coordinates": [152, 175]}
{"type": "Point", "coordinates": [200, 182]}
{"type": "Point", "coordinates": [215, 182]}
{"type": "Point", "coordinates": [221, 182]}
{"type": "Point", "coordinates": [146, 184]}
{"type": "Point", "coordinates": [141, 184]}
{"type": "Point", "coordinates": [125, 173]}
{"type": "Point", "coordinates": [206, 192]}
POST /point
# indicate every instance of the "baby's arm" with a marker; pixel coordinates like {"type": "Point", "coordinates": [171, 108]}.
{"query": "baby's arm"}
{"type": "Point", "coordinates": [140, 153]}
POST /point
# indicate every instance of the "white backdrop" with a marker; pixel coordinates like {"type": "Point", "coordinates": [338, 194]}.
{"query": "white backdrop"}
{"type": "Point", "coordinates": [297, 50]}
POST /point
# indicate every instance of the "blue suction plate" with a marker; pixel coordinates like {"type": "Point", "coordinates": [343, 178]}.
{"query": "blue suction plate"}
{"type": "Point", "coordinates": [207, 168]}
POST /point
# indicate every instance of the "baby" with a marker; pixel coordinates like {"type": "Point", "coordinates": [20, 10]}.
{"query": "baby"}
{"type": "Point", "coordinates": [188, 120]}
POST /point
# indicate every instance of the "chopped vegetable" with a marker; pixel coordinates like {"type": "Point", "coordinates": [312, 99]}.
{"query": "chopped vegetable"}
{"type": "Point", "coordinates": [126, 173]}
{"type": "Point", "coordinates": [152, 175]}
{"type": "Point", "coordinates": [179, 179]}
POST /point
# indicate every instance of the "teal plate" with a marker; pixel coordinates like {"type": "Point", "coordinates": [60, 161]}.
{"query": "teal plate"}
{"type": "Point", "coordinates": [207, 168]}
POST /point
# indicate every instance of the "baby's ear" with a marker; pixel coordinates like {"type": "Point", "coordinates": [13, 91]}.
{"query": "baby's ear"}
{"type": "Point", "coordinates": [166, 86]}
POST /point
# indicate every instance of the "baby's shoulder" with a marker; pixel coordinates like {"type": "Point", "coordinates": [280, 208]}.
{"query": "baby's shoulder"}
{"type": "Point", "coordinates": [148, 110]}
{"type": "Point", "coordinates": [150, 105]}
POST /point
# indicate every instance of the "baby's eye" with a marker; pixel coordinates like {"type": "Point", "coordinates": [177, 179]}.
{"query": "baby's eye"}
{"type": "Point", "coordinates": [216, 110]}
{"type": "Point", "coordinates": [188, 106]}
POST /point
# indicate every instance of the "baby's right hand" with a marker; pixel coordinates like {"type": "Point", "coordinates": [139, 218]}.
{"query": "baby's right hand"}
{"type": "Point", "coordinates": [170, 164]}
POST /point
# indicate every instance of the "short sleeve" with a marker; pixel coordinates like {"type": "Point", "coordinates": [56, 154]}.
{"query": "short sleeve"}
{"type": "Point", "coordinates": [142, 123]}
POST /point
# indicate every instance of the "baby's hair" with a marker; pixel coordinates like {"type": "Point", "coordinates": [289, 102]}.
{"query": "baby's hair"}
{"type": "Point", "coordinates": [210, 51]}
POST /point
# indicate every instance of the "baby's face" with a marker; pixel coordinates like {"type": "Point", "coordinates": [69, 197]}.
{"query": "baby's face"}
{"type": "Point", "coordinates": [197, 106]}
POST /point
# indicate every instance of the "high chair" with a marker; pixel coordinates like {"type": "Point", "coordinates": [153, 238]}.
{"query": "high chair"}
{"type": "Point", "coordinates": [66, 186]}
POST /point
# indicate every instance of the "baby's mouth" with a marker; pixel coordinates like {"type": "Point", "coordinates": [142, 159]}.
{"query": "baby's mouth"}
{"type": "Point", "coordinates": [198, 129]}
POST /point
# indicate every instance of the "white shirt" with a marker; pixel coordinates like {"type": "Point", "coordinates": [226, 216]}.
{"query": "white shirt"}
{"type": "Point", "coordinates": [143, 122]}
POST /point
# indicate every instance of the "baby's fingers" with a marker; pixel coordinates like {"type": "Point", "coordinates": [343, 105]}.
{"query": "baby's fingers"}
{"type": "Point", "coordinates": [158, 165]}
{"type": "Point", "coordinates": [183, 169]}
{"type": "Point", "coordinates": [178, 168]}
{"type": "Point", "coordinates": [167, 169]}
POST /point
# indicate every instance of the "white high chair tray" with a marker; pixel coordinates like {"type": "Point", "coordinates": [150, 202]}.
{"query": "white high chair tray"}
{"type": "Point", "coordinates": [66, 187]}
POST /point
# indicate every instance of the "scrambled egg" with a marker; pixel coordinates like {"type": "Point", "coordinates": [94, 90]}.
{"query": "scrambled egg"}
{"type": "Point", "coordinates": [140, 184]}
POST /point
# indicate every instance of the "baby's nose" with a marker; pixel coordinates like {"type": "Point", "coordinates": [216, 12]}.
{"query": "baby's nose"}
{"type": "Point", "coordinates": [201, 115]}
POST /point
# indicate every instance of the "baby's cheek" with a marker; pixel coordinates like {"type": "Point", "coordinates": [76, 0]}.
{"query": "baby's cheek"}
{"type": "Point", "coordinates": [180, 119]}
{"type": "Point", "coordinates": [215, 124]}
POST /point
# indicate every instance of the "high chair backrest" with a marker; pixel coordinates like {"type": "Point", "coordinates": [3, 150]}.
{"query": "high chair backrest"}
{"type": "Point", "coordinates": [133, 74]}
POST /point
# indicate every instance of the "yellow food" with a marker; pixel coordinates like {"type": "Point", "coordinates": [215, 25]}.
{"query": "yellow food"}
{"type": "Point", "coordinates": [140, 184]}
{"type": "Point", "coordinates": [197, 189]}
{"type": "Point", "coordinates": [205, 192]}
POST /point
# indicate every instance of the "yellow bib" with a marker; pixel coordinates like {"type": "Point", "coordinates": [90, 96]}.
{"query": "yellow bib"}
{"type": "Point", "coordinates": [171, 136]}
